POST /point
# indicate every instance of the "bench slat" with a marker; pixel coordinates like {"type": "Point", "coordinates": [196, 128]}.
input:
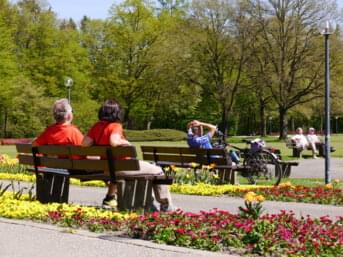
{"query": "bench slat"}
{"type": "Point", "coordinates": [182, 150]}
{"type": "Point", "coordinates": [55, 162]}
{"type": "Point", "coordinates": [24, 148]}
{"type": "Point", "coordinates": [54, 149]}
{"type": "Point", "coordinates": [102, 165]}
{"type": "Point", "coordinates": [123, 151]}
{"type": "Point", "coordinates": [25, 159]}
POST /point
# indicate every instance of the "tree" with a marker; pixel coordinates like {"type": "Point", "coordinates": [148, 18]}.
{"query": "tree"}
{"type": "Point", "coordinates": [222, 51]}
{"type": "Point", "coordinates": [289, 39]}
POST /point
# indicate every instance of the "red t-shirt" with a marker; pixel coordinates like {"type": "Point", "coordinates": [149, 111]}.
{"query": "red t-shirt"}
{"type": "Point", "coordinates": [102, 130]}
{"type": "Point", "coordinates": [60, 134]}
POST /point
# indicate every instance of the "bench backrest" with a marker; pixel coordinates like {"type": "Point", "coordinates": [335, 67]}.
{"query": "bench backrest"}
{"type": "Point", "coordinates": [79, 158]}
{"type": "Point", "coordinates": [185, 156]}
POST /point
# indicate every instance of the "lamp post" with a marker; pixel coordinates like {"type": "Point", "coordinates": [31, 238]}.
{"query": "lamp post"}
{"type": "Point", "coordinates": [68, 82]}
{"type": "Point", "coordinates": [336, 123]}
{"type": "Point", "coordinates": [270, 125]}
{"type": "Point", "coordinates": [326, 30]}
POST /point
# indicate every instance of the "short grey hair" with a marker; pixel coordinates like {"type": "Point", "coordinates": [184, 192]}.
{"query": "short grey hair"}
{"type": "Point", "coordinates": [61, 109]}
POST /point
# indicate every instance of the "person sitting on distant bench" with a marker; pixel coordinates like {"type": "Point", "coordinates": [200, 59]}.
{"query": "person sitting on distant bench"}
{"type": "Point", "coordinates": [197, 139]}
{"type": "Point", "coordinates": [302, 142]}
{"type": "Point", "coordinates": [313, 140]}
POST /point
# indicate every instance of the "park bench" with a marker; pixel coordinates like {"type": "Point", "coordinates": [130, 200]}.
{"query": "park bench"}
{"type": "Point", "coordinates": [54, 165]}
{"type": "Point", "coordinates": [186, 157]}
{"type": "Point", "coordinates": [297, 152]}
{"type": "Point", "coordinates": [193, 158]}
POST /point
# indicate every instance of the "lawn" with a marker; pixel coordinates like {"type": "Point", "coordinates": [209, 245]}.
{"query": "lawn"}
{"type": "Point", "coordinates": [336, 142]}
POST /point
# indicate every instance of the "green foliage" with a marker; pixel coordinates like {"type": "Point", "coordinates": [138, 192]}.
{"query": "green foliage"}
{"type": "Point", "coordinates": [155, 135]}
{"type": "Point", "coordinates": [167, 62]}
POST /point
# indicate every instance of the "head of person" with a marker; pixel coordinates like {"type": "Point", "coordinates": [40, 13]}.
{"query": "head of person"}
{"type": "Point", "coordinates": [311, 130]}
{"type": "Point", "coordinates": [62, 111]}
{"type": "Point", "coordinates": [110, 111]}
{"type": "Point", "coordinates": [197, 130]}
{"type": "Point", "coordinates": [299, 131]}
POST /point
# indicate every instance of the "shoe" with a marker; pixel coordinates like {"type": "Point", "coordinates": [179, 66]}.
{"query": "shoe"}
{"type": "Point", "coordinates": [167, 208]}
{"type": "Point", "coordinates": [315, 157]}
{"type": "Point", "coordinates": [110, 202]}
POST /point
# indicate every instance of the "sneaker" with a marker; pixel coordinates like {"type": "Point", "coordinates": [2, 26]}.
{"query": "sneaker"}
{"type": "Point", "coordinates": [167, 208]}
{"type": "Point", "coordinates": [110, 202]}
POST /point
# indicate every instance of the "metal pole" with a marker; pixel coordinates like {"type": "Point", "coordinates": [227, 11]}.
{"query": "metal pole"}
{"type": "Point", "coordinates": [69, 95]}
{"type": "Point", "coordinates": [327, 111]}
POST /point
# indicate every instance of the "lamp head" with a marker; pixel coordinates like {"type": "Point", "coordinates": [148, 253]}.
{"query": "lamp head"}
{"type": "Point", "coordinates": [327, 27]}
{"type": "Point", "coordinates": [68, 82]}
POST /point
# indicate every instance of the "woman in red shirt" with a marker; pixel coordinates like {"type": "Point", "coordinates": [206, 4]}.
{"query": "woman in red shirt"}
{"type": "Point", "coordinates": [109, 131]}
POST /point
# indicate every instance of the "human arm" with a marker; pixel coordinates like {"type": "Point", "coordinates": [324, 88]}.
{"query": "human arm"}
{"type": "Point", "coordinates": [116, 139]}
{"type": "Point", "coordinates": [211, 128]}
{"type": "Point", "coordinates": [87, 141]}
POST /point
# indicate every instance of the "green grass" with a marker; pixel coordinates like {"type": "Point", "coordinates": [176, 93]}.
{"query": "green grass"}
{"type": "Point", "coordinates": [336, 142]}
{"type": "Point", "coordinates": [9, 150]}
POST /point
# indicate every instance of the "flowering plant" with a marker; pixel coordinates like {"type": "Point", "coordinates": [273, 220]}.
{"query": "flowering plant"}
{"type": "Point", "coordinates": [253, 207]}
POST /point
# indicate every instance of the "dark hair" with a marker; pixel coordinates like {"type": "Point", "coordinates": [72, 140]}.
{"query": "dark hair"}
{"type": "Point", "coordinates": [110, 111]}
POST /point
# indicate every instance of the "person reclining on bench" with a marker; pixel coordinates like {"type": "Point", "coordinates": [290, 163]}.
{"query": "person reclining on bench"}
{"type": "Point", "coordinates": [302, 142]}
{"type": "Point", "coordinates": [197, 139]}
{"type": "Point", "coordinates": [108, 130]}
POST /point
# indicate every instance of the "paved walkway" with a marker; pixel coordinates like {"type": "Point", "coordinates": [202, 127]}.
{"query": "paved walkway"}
{"type": "Point", "coordinates": [315, 168]}
{"type": "Point", "coordinates": [29, 239]}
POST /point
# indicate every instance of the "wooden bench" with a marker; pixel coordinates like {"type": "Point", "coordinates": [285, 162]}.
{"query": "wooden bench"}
{"type": "Point", "coordinates": [297, 152]}
{"type": "Point", "coordinates": [54, 165]}
{"type": "Point", "coordinates": [185, 157]}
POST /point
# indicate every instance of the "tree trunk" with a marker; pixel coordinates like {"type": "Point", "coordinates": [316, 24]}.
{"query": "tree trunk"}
{"type": "Point", "coordinates": [224, 121]}
{"type": "Point", "coordinates": [5, 123]}
{"type": "Point", "coordinates": [283, 123]}
{"type": "Point", "coordinates": [263, 122]}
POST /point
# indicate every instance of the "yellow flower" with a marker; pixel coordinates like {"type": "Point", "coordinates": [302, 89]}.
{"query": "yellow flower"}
{"type": "Point", "coordinates": [173, 167]}
{"type": "Point", "coordinates": [212, 166]}
{"type": "Point", "coordinates": [336, 181]}
{"type": "Point", "coordinates": [285, 184]}
{"type": "Point", "coordinates": [259, 198]}
{"type": "Point", "coordinates": [250, 197]}
{"type": "Point", "coordinates": [194, 164]}
{"type": "Point", "coordinates": [329, 186]}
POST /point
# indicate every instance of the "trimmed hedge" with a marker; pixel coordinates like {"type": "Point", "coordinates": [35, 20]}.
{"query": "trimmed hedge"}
{"type": "Point", "coordinates": [155, 135]}
{"type": "Point", "coordinates": [132, 135]}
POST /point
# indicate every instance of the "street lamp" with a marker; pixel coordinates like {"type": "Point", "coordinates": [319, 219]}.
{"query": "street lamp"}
{"type": "Point", "coordinates": [270, 125]}
{"type": "Point", "coordinates": [68, 82]}
{"type": "Point", "coordinates": [326, 30]}
{"type": "Point", "coordinates": [336, 123]}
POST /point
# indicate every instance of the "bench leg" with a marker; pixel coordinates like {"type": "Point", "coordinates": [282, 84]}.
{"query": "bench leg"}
{"type": "Point", "coordinates": [135, 194]}
{"type": "Point", "coordinates": [296, 152]}
{"type": "Point", "coordinates": [52, 188]}
{"type": "Point", "coordinates": [286, 170]}
{"type": "Point", "coordinates": [227, 176]}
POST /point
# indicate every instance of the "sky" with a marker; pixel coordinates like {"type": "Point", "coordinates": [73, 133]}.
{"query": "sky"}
{"type": "Point", "coordinates": [76, 9]}
{"type": "Point", "coordinates": [95, 9]}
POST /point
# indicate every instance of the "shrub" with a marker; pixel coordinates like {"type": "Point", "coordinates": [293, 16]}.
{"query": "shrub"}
{"type": "Point", "coordinates": [155, 135]}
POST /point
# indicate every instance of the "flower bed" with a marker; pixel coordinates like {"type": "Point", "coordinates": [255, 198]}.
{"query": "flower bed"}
{"type": "Point", "coordinates": [247, 232]}
{"type": "Point", "coordinates": [269, 235]}
{"type": "Point", "coordinates": [70, 215]}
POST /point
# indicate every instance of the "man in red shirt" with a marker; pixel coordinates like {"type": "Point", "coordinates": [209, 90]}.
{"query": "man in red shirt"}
{"type": "Point", "coordinates": [62, 132]}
